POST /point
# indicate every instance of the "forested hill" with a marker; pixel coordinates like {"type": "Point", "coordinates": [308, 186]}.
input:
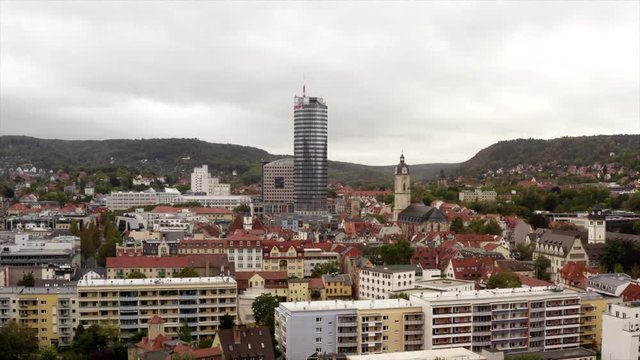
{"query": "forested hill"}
{"type": "Point", "coordinates": [582, 150]}
{"type": "Point", "coordinates": [180, 156]}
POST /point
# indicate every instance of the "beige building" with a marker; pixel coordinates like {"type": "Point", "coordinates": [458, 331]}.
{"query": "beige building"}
{"type": "Point", "coordinates": [478, 195]}
{"type": "Point", "coordinates": [593, 307]}
{"type": "Point", "coordinates": [51, 312]}
{"type": "Point", "coordinates": [560, 248]}
{"type": "Point", "coordinates": [130, 303]}
{"type": "Point", "coordinates": [277, 182]}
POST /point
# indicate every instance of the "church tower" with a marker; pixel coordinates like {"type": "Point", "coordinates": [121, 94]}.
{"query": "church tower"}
{"type": "Point", "coordinates": [597, 226]}
{"type": "Point", "coordinates": [402, 188]}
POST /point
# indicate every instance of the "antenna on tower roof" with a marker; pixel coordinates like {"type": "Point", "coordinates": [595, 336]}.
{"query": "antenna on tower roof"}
{"type": "Point", "coordinates": [304, 85]}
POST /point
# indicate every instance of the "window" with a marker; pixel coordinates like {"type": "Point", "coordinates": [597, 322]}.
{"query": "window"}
{"type": "Point", "coordinates": [318, 329]}
{"type": "Point", "coordinates": [318, 319]}
{"type": "Point", "coordinates": [318, 339]}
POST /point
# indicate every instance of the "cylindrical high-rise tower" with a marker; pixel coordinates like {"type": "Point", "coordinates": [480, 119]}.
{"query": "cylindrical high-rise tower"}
{"type": "Point", "coordinates": [310, 154]}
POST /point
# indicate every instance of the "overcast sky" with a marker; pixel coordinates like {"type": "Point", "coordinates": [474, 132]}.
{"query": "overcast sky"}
{"type": "Point", "coordinates": [441, 80]}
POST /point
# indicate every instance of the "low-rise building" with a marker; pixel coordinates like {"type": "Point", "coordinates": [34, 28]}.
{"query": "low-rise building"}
{"type": "Point", "coordinates": [337, 286]}
{"type": "Point", "coordinates": [477, 195]}
{"type": "Point", "coordinates": [377, 282]}
{"type": "Point", "coordinates": [593, 308]}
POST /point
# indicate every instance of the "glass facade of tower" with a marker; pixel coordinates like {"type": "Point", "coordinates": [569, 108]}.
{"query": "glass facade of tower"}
{"type": "Point", "coordinates": [310, 154]}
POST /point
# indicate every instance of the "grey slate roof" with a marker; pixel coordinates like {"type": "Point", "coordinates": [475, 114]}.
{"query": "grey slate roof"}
{"type": "Point", "coordinates": [419, 213]}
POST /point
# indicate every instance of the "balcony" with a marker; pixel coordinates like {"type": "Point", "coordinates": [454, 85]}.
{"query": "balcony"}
{"type": "Point", "coordinates": [414, 332]}
{"type": "Point", "coordinates": [414, 322]}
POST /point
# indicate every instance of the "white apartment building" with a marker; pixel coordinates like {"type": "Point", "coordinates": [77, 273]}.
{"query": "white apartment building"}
{"type": "Point", "coordinates": [510, 320]}
{"type": "Point", "coordinates": [202, 182]}
{"type": "Point", "coordinates": [350, 327]}
{"type": "Point", "coordinates": [222, 201]}
{"type": "Point", "coordinates": [621, 332]}
{"type": "Point", "coordinates": [478, 195]}
{"type": "Point", "coordinates": [130, 303]}
{"type": "Point", "coordinates": [313, 257]}
{"type": "Point", "coordinates": [120, 200]}
{"type": "Point", "coordinates": [377, 282]}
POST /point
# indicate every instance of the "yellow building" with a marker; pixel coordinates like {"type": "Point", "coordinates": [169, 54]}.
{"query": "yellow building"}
{"type": "Point", "coordinates": [52, 312]}
{"type": "Point", "coordinates": [281, 256]}
{"type": "Point", "coordinates": [337, 286]}
{"type": "Point", "coordinates": [593, 306]}
{"type": "Point", "coordinates": [392, 329]}
{"type": "Point", "coordinates": [130, 303]}
{"type": "Point", "coordinates": [298, 290]}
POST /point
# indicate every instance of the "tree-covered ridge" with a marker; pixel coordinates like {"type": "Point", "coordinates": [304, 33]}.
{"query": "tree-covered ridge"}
{"type": "Point", "coordinates": [581, 150]}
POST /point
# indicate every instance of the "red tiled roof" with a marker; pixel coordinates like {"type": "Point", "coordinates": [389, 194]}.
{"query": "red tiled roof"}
{"type": "Point", "coordinates": [147, 262]}
{"type": "Point", "coordinates": [156, 320]}
{"type": "Point", "coordinates": [164, 209]}
{"type": "Point", "coordinates": [573, 272]}
{"type": "Point", "coordinates": [472, 268]}
{"type": "Point", "coordinates": [529, 281]}
{"type": "Point", "coordinates": [267, 275]}
{"type": "Point", "coordinates": [631, 292]}
{"type": "Point", "coordinates": [316, 283]}
{"type": "Point", "coordinates": [153, 344]}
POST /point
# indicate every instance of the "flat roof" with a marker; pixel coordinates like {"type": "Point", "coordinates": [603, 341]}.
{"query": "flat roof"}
{"type": "Point", "coordinates": [347, 304]}
{"type": "Point", "coordinates": [38, 290]}
{"type": "Point", "coordinates": [538, 291]}
{"type": "Point", "coordinates": [452, 353]}
{"type": "Point", "coordinates": [443, 282]}
{"type": "Point", "coordinates": [558, 354]}
{"type": "Point", "coordinates": [392, 269]}
{"type": "Point", "coordinates": [157, 281]}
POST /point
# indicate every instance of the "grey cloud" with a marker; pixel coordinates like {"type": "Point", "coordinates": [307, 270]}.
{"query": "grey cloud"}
{"type": "Point", "coordinates": [440, 79]}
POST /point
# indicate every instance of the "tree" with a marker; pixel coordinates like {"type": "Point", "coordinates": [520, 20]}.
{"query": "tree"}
{"type": "Point", "coordinates": [226, 321]}
{"type": "Point", "coordinates": [205, 343]}
{"type": "Point", "coordinates": [17, 341]}
{"type": "Point", "coordinates": [457, 225]}
{"type": "Point", "coordinates": [396, 254]}
{"type": "Point", "coordinates": [540, 266]}
{"type": "Point", "coordinates": [538, 221]}
{"type": "Point", "coordinates": [136, 274]}
{"type": "Point", "coordinates": [399, 296]}
{"type": "Point", "coordinates": [504, 280]}
{"type": "Point", "coordinates": [27, 280]}
{"type": "Point", "coordinates": [325, 268]}
{"type": "Point", "coordinates": [244, 208]}
{"type": "Point", "coordinates": [187, 272]}
{"type": "Point", "coordinates": [492, 227]}
{"type": "Point", "coordinates": [263, 310]}
{"type": "Point", "coordinates": [50, 353]}
{"type": "Point", "coordinates": [184, 332]}
{"type": "Point", "coordinates": [526, 357]}
{"type": "Point", "coordinates": [525, 251]}
{"type": "Point", "coordinates": [74, 229]}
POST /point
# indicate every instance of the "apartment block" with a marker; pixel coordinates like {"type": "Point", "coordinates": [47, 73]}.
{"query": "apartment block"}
{"type": "Point", "coordinates": [510, 320]}
{"type": "Point", "coordinates": [377, 282]}
{"type": "Point", "coordinates": [350, 327]}
{"type": "Point", "coordinates": [51, 312]}
{"type": "Point", "coordinates": [621, 331]}
{"type": "Point", "coordinates": [477, 195]}
{"type": "Point", "coordinates": [593, 307]}
{"type": "Point", "coordinates": [313, 257]}
{"type": "Point", "coordinates": [130, 303]}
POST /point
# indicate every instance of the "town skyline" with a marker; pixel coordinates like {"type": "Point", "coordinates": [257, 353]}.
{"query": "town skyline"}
{"type": "Point", "coordinates": [440, 86]}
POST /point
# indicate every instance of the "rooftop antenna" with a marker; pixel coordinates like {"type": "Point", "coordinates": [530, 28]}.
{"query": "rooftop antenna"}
{"type": "Point", "coordinates": [304, 85]}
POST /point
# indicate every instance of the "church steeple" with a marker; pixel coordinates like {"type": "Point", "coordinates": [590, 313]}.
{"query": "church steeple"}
{"type": "Point", "coordinates": [402, 188]}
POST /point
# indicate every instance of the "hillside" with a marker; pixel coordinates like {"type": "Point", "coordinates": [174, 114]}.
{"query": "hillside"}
{"type": "Point", "coordinates": [178, 156]}
{"type": "Point", "coordinates": [582, 150]}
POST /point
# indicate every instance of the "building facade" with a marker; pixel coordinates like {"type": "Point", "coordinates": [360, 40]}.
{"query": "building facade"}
{"type": "Point", "coordinates": [51, 312]}
{"type": "Point", "coordinates": [350, 327]}
{"type": "Point", "coordinates": [202, 182]}
{"type": "Point", "coordinates": [510, 320]}
{"type": "Point", "coordinates": [621, 332]}
{"type": "Point", "coordinates": [130, 303]}
{"type": "Point", "coordinates": [310, 123]}
{"type": "Point", "coordinates": [478, 195]}
{"type": "Point", "coordinates": [277, 182]}
{"type": "Point", "coordinates": [377, 282]}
